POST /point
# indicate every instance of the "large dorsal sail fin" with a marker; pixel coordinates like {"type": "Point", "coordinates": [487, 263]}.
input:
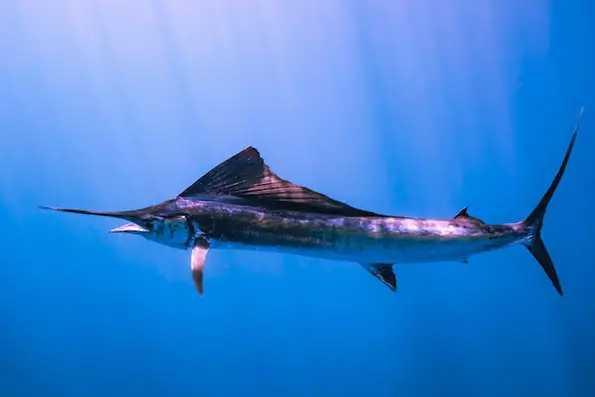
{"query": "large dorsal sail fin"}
{"type": "Point", "coordinates": [245, 175]}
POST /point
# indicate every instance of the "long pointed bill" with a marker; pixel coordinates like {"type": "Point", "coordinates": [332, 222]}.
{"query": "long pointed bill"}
{"type": "Point", "coordinates": [112, 214]}
{"type": "Point", "coordinates": [129, 228]}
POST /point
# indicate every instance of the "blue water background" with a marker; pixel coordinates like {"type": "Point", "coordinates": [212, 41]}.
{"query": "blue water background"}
{"type": "Point", "coordinates": [414, 108]}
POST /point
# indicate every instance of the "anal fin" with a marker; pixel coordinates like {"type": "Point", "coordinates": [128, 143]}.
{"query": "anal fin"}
{"type": "Point", "coordinates": [197, 262]}
{"type": "Point", "coordinates": [383, 272]}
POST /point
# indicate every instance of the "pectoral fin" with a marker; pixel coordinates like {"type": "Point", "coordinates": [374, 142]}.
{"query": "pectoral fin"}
{"type": "Point", "coordinates": [383, 272]}
{"type": "Point", "coordinates": [197, 261]}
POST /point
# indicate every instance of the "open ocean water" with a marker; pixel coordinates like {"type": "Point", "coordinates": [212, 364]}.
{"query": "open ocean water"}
{"type": "Point", "coordinates": [405, 107]}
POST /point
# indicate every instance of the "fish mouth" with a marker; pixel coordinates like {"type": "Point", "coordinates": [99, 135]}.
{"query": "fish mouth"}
{"type": "Point", "coordinates": [130, 228]}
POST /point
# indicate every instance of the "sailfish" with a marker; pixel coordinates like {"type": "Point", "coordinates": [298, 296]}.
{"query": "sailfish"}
{"type": "Point", "coordinates": [242, 204]}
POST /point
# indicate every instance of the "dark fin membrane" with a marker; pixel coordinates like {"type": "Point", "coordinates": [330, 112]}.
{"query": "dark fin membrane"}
{"type": "Point", "coordinates": [539, 252]}
{"type": "Point", "coordinates": [246, 176]}
{"type": "Point", "coordinates": [463, 215]}
{"type": "Point", "coordinates": [539, 211]}
{"type": "Point", "coordinates": [383, 272]}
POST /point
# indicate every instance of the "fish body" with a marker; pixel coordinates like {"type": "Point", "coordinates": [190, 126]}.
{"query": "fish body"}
{"type": "Point", "coordinates": [242, 204]}
{"type": "Point", "coordinates": [382, 239]}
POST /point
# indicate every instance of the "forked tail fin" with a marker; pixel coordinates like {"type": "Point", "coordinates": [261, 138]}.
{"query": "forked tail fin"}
{"type": "Point", "coordinates": [534, 221]}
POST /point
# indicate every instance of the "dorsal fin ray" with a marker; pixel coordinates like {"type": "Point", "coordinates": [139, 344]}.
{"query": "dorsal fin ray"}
{"type": "Point", "coordinates": [246, 176]}
{"type": "Point", "coordinates": [463, 215]}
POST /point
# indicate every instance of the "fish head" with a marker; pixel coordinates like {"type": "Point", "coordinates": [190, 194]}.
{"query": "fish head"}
{"type": "Point", "coordinates": [173, 232]}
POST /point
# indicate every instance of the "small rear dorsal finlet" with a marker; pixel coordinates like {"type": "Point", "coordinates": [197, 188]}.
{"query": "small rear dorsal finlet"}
{"type": "Point", "coordinates": [463, 215]}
